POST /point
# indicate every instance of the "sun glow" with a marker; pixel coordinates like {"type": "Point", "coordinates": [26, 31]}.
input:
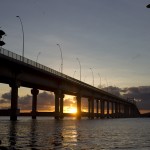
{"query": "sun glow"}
{"type": "Point", "coordinates": [72, 110]}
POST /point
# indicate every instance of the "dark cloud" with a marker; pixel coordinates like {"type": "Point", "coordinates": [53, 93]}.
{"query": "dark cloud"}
{"type": "Point", "coordinates": [6, 96]}
{"type": "Point", "coordinates": [46, 100]}
{"type": "Point", "coordinates": [140, 94]}
{"type": "Point", "coordinates": [25, 102]}
{"type": "Point", "coordinates": [114, 90]}
{"type": "Point", "coordinates": [3, 101]}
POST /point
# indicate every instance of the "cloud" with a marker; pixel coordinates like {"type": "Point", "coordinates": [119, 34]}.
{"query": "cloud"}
{"type": "Point", "coordinates": [6, 96]}
{"type": "Point", "coordinates": [46, 100]}
{"type": "Point", "coordinates": [70, 101]}
{"type": "Point", "coordinates": [140, 94]}
{"type": "Point", "coordinates": [114, 90]}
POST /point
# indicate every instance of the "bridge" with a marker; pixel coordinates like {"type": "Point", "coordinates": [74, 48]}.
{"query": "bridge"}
{"type": "Point", "coordinates": [18, 71]}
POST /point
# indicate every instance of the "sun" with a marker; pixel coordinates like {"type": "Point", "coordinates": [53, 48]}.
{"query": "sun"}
{"type": "Point", "coordinates": [72, 110]}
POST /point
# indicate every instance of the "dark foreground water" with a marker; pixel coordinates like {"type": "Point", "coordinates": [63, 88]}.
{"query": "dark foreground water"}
{"type": "Point", "coordinates": [46, 134]}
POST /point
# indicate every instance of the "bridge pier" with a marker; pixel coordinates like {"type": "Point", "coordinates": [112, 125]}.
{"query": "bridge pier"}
{"type": "Point", "coordinates": [97, 108]}
{"type": "Point", "coordinates": [119, 110]}
{"type": "Point", "coordinates": [124, 111]}
{"type": "Point", "coordinates": [34, 93]}
{"type": "Point", "coordinates": [112, 111]}
{"type": "Point", "coordinates": [78, 98]}
{"type": "Point", "coordinates": [102, 108]}
{"type": "Point", "coordinates": [116, 110]}
{"type": "Point", "coordinates": [127, 111]}
{"type": "Point", "coordinates": [89, 108]}
{"type": "Point", "coordinates": [107, 108]}
{"type": "Point", "coordinates": [61, 105]}
{"type": "Point", "coordinates": [92, 107]}
{"type": "Point", "coordinates": [14, 101]}
{"type": "Point", "coordinates": [57, 104]}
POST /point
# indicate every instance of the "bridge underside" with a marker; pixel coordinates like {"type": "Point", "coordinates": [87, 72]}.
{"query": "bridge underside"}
{"type": "Point", "coordinates": [18, 73]}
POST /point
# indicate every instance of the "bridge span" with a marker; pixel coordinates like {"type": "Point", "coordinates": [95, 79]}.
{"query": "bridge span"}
{"type": "Point", "coordinates": [18, 71]}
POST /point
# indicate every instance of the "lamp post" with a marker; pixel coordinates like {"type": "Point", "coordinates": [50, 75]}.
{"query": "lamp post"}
{"type": "Point", "coordinates": [80, 67]}
{"type": "Point", "coordinates": [106, 83]}
{"type": "Point", "coordinates": [22, 35]}
{"type": "Point", "coordinates": [61, 58]}
{"type": "Point", "coordinates": [92, 75]}
{"type": "Point", "coordinates": [148, 6]}
{"type": "Point", "coordinates": [74, 73]}
{"type": "Point", "coordinates": [99, 80]}
{"type": "Point", "coordinates": [37, 56]}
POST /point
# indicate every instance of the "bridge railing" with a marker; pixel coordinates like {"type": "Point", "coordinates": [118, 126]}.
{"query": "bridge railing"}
{"type": "Point", "coordinates": [40, 66]}
{"type": "Point", "coordinates": [28, 61]}
{"type": "Point", "coordinates": [52, 71]}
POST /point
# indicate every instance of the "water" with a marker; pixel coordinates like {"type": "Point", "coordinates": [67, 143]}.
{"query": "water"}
{"type": "Point", "coordinates": [48, 134]}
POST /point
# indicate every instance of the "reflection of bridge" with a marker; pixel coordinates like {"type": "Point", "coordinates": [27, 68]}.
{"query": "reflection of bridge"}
{"type": "Point", "coordinates": [18, 71]}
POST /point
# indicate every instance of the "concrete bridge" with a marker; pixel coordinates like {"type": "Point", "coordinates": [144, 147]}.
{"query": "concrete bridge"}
{"type": "Point", "coordinates": [19, 71]}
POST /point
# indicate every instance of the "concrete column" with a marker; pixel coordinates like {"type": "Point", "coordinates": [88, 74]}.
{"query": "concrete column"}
{"type": "Point", "coordinates": [97, 108]}
{"type": "Point", "coordinates": [128, 113]}
{"type": "Point", "coordinates": [14, 101]}
{"type": "Point", "coordinates": [92, 107]}
{"type": "Point", "coordinates": [78, 106]}
{"type": "Point", "coordinates": [116, 110]}
{"type": "Point", "coordinates": [102, 108]}
{"type": "Point", "coordinates": [107, 109]}
{"type": "Point", "coordinates": [89, 108]}
{"type": "Point", "coordinates": [57, 104]}
{"type": "Point", "coordinates": [119, 109]}
{"type": "Point", "coordinates": [112, 107]}
{"type": "Point", "coordinates": [125, 110]}
{"type": "Point", "coordinates": [61, 105]}
{"type": "Point", "coordinates": [34, 93]}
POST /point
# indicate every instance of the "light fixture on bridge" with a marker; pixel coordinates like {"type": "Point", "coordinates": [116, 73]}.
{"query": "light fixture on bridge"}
{"type": "Point", "coordinates": [148, 6]}
{"type": "Point", "coordinates": [61, 57]}
{"type": "Point", "coordinates": [22, 35]}
{"type": "Point", "coordinates": [2, 33]}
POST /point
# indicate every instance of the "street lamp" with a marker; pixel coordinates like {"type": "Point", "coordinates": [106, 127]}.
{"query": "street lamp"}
{"type": "Point", "coordinates": [74, 73]}
{"type": "Point", "coordinates": [148, 6]}
{"type": "Point", "coordinates": [99, 80]}
{"type": "Point", "coordinates": [22, 35]}
{"type": "Point", "coordinates": [37, 56]}
{"type": "Point", "coordinates": [61, 58]}
{"type": "Point", "coordinates": [92, 75]}
{"type": "Point", "coordinates": [80, 67]}
{"type": "Point", "coordinates": [106, 83]}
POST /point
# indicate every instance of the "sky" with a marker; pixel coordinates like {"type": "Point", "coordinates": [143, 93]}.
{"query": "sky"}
{"type": "Point", "coordinates": [111, 37]}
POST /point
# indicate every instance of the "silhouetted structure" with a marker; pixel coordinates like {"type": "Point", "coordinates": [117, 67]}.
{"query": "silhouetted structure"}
{"type": "Point", "coordinates": [17, 71]}
{"type": "Point", "coordinates": [2, 33]}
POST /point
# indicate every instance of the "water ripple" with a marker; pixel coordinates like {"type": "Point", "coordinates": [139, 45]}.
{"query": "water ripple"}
{"type": "Point", "coordinates": [47, 134]}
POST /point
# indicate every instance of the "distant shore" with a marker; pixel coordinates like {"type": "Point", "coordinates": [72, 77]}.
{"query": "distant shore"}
{"type": "Point", "coordinates": [6, 112]}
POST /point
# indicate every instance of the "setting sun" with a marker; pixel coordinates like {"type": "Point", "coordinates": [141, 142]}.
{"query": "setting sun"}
{"type": "Point", "coordinates": [72, 110]}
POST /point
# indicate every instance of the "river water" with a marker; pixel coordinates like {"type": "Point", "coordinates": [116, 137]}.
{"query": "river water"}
{"type": "Point", "coordinates": [101, 134]}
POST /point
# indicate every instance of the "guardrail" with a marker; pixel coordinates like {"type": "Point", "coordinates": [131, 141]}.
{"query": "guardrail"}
{"type": "Point", "coordinates": [39, 66]}
{"type": "Point", "coordinates": [52, 71]}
